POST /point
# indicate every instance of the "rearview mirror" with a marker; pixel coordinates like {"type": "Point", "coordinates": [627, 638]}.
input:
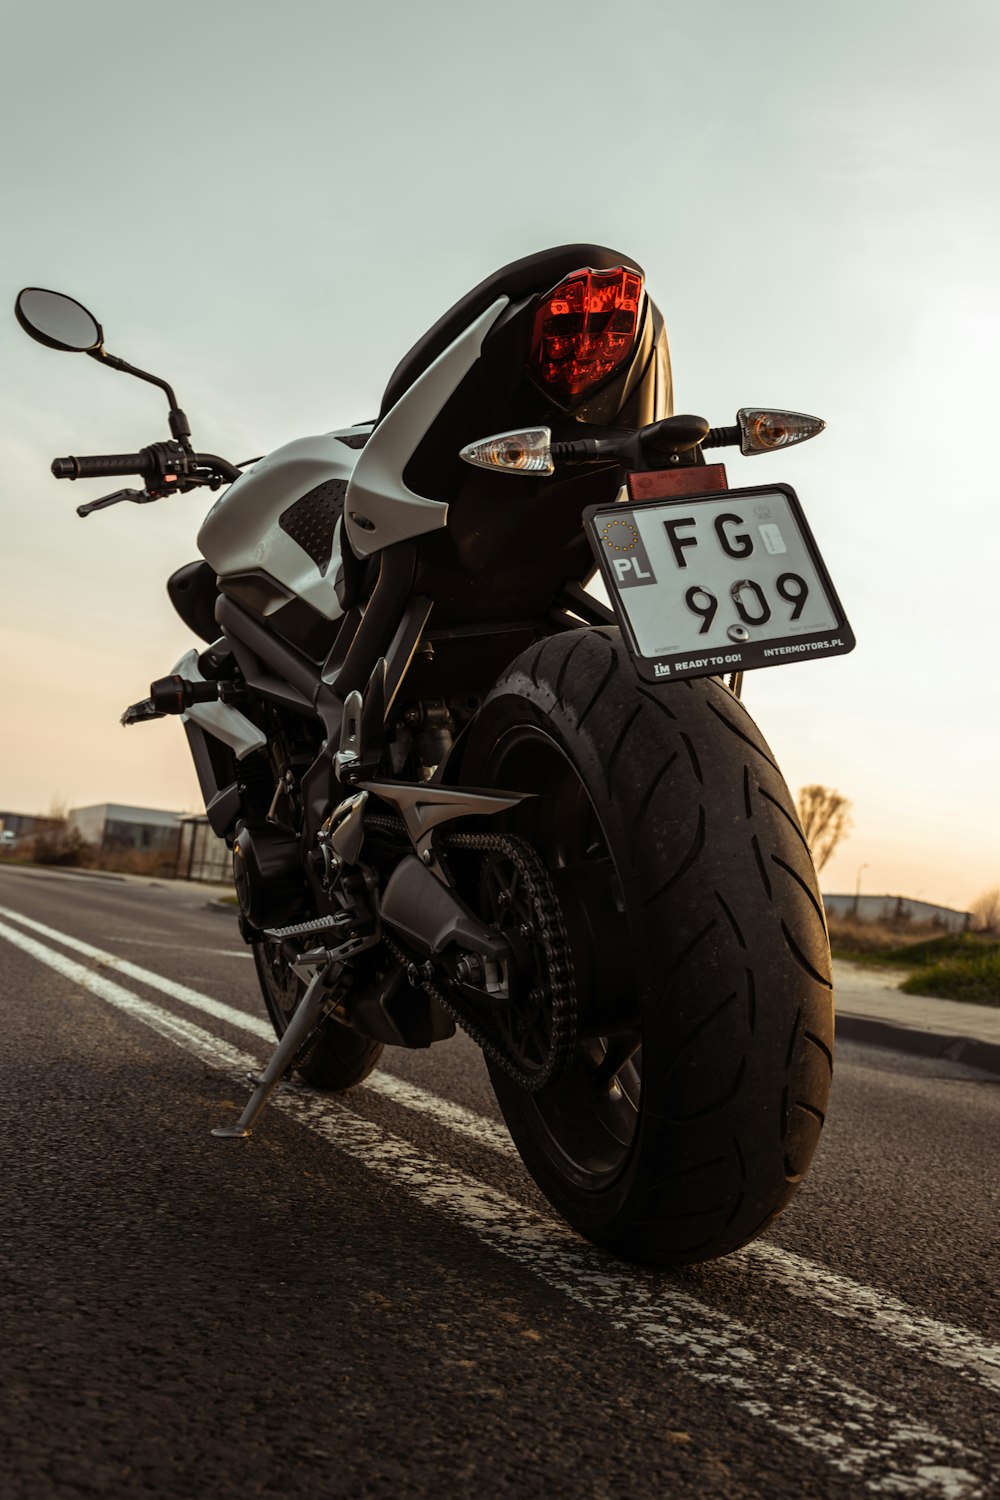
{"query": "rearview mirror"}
{"type": "Point", "coordinates": [57, 321]}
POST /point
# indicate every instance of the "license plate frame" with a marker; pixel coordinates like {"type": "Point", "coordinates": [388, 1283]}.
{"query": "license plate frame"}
{"type": "Point", "coordinates": [662, 580]}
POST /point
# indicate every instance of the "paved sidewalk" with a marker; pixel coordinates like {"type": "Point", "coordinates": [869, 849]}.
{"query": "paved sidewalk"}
{"type": "Point", "coordinates": [870, 1008]}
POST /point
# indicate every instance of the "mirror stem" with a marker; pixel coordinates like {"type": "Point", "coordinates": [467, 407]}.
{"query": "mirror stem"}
{"type": "Point", "coordinates": [179, 426]}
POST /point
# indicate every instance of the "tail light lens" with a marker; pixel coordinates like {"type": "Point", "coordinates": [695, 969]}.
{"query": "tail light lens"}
{"type": "Point", "coordinates": [585, 329]}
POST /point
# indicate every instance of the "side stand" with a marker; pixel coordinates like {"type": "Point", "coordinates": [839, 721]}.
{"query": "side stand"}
{"type": "Point", "coordinates": [307, 1013]}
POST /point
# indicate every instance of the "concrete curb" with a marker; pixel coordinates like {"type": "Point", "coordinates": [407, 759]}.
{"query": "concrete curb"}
{"type": "Point", "coordinates": [961, 1049]}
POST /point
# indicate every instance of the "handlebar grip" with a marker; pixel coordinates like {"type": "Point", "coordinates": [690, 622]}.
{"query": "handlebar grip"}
{"type": "Point", "coordinates": [103, 466]}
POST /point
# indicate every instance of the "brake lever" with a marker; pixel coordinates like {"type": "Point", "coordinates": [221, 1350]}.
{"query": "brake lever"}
{"type": "Point", "coordinates": [139, 497]}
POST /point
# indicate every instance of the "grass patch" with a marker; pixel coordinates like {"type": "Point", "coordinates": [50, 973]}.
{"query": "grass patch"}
{"type": "Point", "coordinates": [955, 966]}
{"type": "Point", "coordinates": [973, 975]}
{"type": "Point", "coordinates": [876, 943]}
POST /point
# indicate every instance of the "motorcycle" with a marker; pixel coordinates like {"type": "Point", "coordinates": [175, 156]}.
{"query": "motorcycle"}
{"type": "Point", "coordinates": [463, 792]}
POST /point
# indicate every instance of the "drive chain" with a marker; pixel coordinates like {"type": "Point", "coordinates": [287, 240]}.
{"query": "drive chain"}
{"type": "Point", "coordinates": [557, 984]}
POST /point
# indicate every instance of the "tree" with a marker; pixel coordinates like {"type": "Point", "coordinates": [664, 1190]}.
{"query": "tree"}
{"type": "Point", "coordinates": [986, 911]}
{"type": "Point", "coordinates": [826, 820]}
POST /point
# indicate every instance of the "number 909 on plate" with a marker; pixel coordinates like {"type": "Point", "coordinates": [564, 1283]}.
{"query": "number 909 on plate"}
{"type": "Point", "coordinates": [703, 585]}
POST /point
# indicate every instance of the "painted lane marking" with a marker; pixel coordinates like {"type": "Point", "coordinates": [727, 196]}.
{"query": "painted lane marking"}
{"type": "Point", "coordinates": [954, 1348]}
{"type": "Point", "coordinates": [131, 942]}
{"type": "Point", "coordinates": [411, 1096]}
{"type": "Point", "coordinates": [856, 1433]}
{"type": "Point", "coordinates": [455, 1117]}
{"type": "Point", "coordinates": [176, 991]}
{"type": "Point", "coordinates": [872, 1441]}
{"type": "Point", "coordinates": [206, 1047]}
{"type": "Point", "coordinates": [949, 1345]}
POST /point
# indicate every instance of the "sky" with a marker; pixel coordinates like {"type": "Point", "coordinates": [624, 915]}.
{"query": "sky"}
{"type": "Point", "coordinates": [267, 205]}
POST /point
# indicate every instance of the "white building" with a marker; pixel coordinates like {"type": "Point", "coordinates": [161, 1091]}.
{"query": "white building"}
{"type": "Point", "coordinates": [897, 909]}
{"type": "Point", "coordinates": [112, 826]}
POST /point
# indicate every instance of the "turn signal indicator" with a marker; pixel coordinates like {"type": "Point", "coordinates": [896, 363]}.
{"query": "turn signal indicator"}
{"type": "Point", "coordinates": [763, 431]}
{"type": "Point", "coordinates": [528, 452]}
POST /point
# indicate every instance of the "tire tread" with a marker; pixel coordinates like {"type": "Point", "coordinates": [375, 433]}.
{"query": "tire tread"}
{"type": "Point", "coordinates": [732, 961]}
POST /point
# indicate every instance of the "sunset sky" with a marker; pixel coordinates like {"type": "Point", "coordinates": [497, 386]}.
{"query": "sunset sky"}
{"type": "Point", "coordinates": [268, 204]}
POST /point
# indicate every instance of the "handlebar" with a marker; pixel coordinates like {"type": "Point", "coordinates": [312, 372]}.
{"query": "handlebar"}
{"type": "Point", "coordinates": [103, 466]}
{"type": "Point", "coordinates": [164, 466]}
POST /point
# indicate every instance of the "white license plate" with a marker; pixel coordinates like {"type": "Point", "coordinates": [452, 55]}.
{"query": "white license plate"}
{"type": "Point", "coordinates": [708, 584]}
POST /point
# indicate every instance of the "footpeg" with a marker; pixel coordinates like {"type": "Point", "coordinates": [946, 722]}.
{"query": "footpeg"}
{"type": "Point", "coordinates": [317, 924]}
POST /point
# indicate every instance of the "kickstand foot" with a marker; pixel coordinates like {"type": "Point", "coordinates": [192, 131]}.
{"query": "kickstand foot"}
{"type": "Point", "coordinates": [307, 1013]}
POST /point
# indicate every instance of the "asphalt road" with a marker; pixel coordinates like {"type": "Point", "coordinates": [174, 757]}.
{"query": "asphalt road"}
{"type": "Point", "coordinates": [369, 1297]}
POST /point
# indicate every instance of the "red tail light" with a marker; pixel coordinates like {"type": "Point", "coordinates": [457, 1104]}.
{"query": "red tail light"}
{"type": "Point", "coordinates": [585, 329]}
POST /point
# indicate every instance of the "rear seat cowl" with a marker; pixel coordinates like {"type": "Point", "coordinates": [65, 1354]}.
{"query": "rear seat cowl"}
{"type": "Point", "coordinates": [533, 273]}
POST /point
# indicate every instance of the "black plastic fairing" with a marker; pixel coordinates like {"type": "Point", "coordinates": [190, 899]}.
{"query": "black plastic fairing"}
{"type": "Point", "coordinates": [215, 767]}
{"type": "Point", "coordinates": [193, 592]}
{"type": "Point", "coordinates": [285, 676]}
{"type": "Point", "coordinates": [513, 539]}
{"type": "Point", "coordinates": [531, 275]}
{"type": "Point", "coordinates": [282, 613]}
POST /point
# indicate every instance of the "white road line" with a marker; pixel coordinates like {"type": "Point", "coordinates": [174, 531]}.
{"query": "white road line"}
{"type": "Point", "coordinates": [182, 992]}
{"type": "Point", "coordinates": [208, 1048]}
{"type": "Point", "coordinates": [455, 1117]}
{"type": "Point", "coordinates": [856, 1433]}
{"type": "Point", "coordinates": [954, 1348]}
{"type": "Point", "coordinates": [133, 942]}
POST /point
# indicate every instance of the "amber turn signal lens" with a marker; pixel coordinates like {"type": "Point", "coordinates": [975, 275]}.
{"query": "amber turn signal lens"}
{"type": "Point", "coordinates": [527, 452]}
{"type": "Point", "coordinates": [763, 431]}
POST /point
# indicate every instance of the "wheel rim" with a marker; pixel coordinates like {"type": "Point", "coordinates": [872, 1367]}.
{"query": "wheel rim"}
{"type": "Point", "coordinates": [525, 1022]}
{"type": "Point", "coordinates": [586, 1121]}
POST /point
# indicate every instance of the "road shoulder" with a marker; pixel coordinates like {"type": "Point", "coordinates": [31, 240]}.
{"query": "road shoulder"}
{"type": "Point", "coordinates": [871, 1008]}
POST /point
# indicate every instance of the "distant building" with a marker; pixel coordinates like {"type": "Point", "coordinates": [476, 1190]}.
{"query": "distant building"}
{"type": "Point", "coordinates": [15, 827]}
{"type": "Point", "coordinates": [203, 855]}
{"type": "Point", "coordinates": [897, 909]}
{"type": "Point", "coordinates": [113, 828]}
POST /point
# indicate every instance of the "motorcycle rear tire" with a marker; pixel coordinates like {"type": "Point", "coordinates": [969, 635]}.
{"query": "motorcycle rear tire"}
{"type": "Point", "coordinates": [719, 1111]}
{"type": "Point", "coordinates": [339, 1058]}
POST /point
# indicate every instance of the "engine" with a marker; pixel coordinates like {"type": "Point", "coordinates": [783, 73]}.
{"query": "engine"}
{"type": "Point", "coordinates": [268, 875]}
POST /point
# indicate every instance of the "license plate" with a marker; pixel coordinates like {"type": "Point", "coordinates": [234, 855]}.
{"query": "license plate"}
{"type": "Point", "coordinates": [708, 584]}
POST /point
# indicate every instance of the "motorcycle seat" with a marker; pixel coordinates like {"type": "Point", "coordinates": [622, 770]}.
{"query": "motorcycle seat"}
{"type": "Point", "coordinates": [533, 273]}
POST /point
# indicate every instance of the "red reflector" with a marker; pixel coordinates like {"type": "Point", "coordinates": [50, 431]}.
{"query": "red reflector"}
{"type": "Point", "coordinates": [585, 329]}
{"type": "Point", "coordinates": [693, 479]}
